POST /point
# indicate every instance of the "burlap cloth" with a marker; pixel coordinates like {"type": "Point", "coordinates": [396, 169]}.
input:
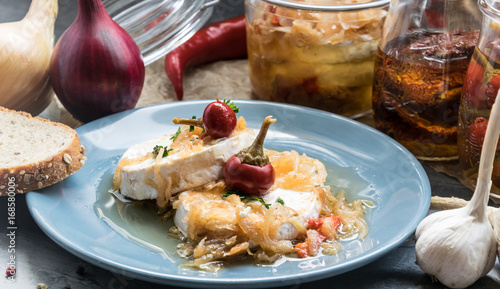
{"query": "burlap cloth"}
{"type": "Point", "coordinates": [223, 80]}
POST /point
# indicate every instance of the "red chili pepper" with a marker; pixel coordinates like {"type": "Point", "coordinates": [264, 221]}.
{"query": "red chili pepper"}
{"type": "Point", "coordinates": [473, 90]}
{"type": "Point", "coordinates": [492, 90]}
{"type": "Point", "coordinates": [478, 132]}
{"type": "Point", "coordinates": [249, 171]}
{"type": "Point", "coordinates": [476, 138]}
{"type": "Point", "coordinates": [224, 40]}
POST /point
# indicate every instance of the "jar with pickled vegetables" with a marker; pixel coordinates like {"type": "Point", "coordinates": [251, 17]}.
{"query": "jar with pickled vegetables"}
{"type": "Point", "coordinates": [314, 53]}
{"type": "Point", "coordinates": [482, 82]}
{"type": "Point", "coordinates": [420, 68]}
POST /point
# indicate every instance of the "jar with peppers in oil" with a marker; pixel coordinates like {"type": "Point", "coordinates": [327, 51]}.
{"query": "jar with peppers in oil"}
{"type": "Point", "coordinates": [420, 66]}
{"type": "Point", "coordinates": [480, 89]}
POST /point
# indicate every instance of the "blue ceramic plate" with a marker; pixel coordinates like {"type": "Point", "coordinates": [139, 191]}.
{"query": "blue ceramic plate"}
{"type": "Point", "coordinates": [84, 219]}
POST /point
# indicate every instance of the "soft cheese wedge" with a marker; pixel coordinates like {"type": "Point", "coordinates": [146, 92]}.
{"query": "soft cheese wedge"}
{"type": "Point", "coordinates": [191, 162]}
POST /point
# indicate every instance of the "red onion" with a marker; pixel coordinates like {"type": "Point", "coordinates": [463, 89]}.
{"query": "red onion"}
{"type": "Point", "coordinates": [96, 68]}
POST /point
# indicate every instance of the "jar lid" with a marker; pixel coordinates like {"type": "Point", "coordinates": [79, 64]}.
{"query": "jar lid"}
{"type": "Point", "coordinates": [158, 27]}
{"type": "Point", "coordinates": [327, 7]}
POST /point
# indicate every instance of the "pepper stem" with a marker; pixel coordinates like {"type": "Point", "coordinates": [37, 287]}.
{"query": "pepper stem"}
{"type": "Point", "coordinates": [254, 154]}
{"type": "Point", "coordinates": [188, 121]}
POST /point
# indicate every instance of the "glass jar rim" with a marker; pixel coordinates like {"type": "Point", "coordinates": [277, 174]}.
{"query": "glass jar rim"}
{"type": "Point", "coordinates": [329, 8]}
{"type": "Point", "coordinates": [488, 8]}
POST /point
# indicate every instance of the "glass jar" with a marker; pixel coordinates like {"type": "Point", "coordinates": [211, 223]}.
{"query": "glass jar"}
{"type": "Point", "coordinates": [159, 26]}
{"type": "Point", "coordinates": [480, 90]}
{"type": "Point", "coordinates": [420, 67]}
{"type": "Point", "coordinates": [313, 54]}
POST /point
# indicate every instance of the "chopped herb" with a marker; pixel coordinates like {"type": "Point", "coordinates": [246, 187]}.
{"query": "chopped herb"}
{"type": "Point", "coordinates": [231, 192]}
{"type": "Point", "coordinates": [245, 198]}
{"type": "Point", "coordinates": [191, 127]}
{"type": "Point", "coordinates": [261, 200]}
{"type": "Point", "coordinates": [157, 149]}
{"type": "Point", "coordinates": [234, 192]}
{"type": "Point", "coordinates": [280, 200]}
{"type": "Point", "coordinates": [176, 134]}
{"type": "Point", "coordinates": [232, 105]}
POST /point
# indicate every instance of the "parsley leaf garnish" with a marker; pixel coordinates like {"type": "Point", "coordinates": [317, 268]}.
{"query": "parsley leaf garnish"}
{"type": "Point", "coordinates": [176, 134]}
{"type": "Point", "coordinates": [232, 105]}
{"type": "Point", "coordinates": [157, 149]}
{"type": "Point", "coordinates": [191, 127]}
{"type": "Point", "coordinates": [247, 199]}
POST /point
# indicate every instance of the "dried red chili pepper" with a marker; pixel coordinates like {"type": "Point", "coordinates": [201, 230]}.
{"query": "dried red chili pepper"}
{"type": "Point", "coordinates": [224, 40]}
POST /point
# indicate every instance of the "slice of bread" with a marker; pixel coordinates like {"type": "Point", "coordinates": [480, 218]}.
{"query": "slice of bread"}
{"type": "Point", "coordinates": [35, 153]}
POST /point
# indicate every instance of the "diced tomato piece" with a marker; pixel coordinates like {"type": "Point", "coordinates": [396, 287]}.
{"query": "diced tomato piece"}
{"type": "Point", "coordinates": [329, 226]}
{"type": "Point", "coordinates": [313, 241]}
{"type": "Point", "coordinates": [326, 226]}
{"type": "Point", "coordinates": [314, 224]}
{"type": "Point", "coordinates": [301, 250]}
{"type": "Point", "coordinates": [311, 245]}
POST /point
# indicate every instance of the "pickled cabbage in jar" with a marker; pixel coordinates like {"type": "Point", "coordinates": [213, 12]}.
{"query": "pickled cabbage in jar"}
{"type": "Point", "coordinates": [322, 59]}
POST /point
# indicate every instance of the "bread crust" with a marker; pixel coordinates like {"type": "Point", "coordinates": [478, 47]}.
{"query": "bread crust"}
{"type": "Point", "coordinates": [40, 174]}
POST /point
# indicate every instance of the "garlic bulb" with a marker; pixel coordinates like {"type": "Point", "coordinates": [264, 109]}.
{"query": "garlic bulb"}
{"type": "Point", "coordinates": [496, 229]}
{"type": "Point", "coordinates": [26, 48]}
{"type": "Point", "coordinates": [458, 246]}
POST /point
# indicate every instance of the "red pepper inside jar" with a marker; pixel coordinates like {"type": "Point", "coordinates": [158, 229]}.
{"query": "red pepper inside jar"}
{"type": "Point", "coordinates": [480, 89]}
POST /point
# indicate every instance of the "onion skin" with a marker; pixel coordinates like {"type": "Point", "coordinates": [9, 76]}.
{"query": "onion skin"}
{"type": "Point", "coordinates": [219, 120]}
{"type": "Point", "coordinates": [26, 47]}
{"type": "Point", "coordinates": [249, 179]}
{"type": "Point", "coordinates": [96, 68]}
